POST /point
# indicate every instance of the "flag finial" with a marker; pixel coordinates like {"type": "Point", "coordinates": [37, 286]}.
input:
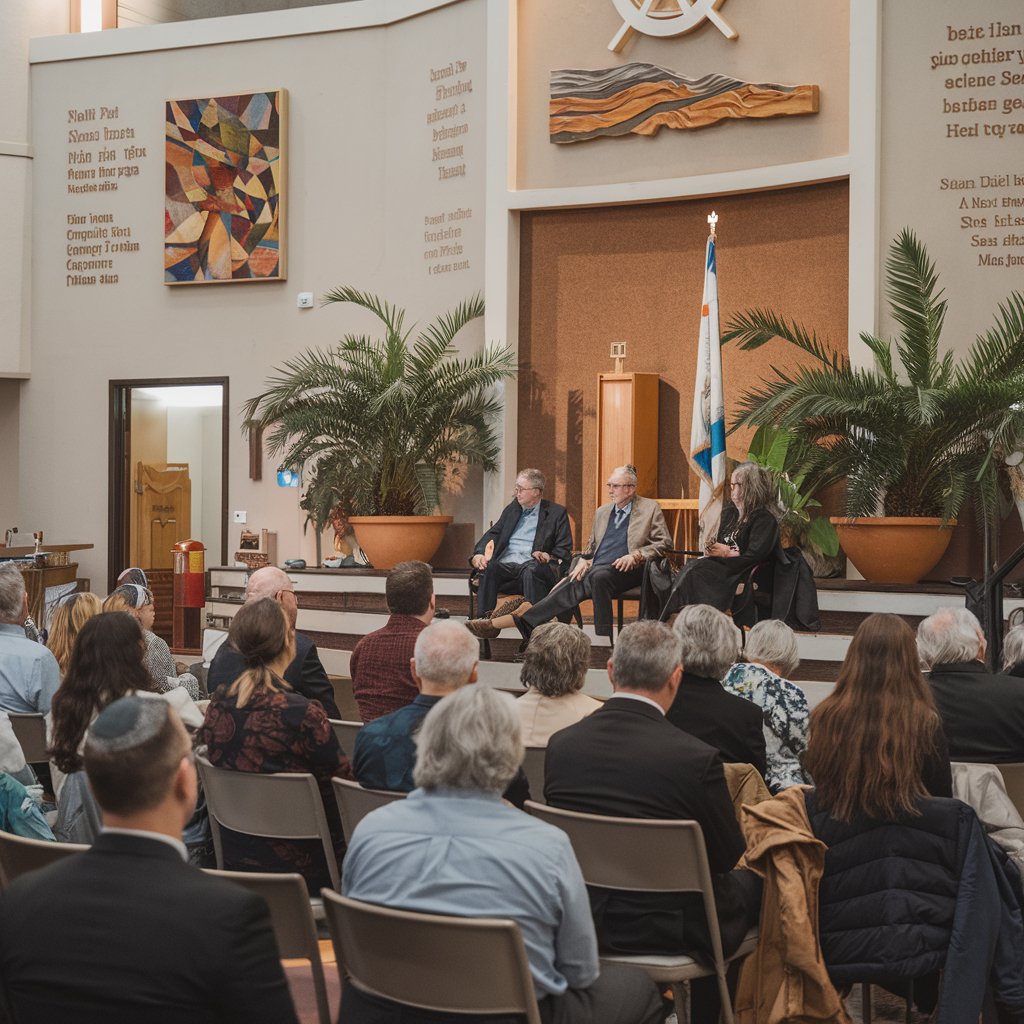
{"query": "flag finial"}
{"type": "Point", "coordinates": [713, 221]}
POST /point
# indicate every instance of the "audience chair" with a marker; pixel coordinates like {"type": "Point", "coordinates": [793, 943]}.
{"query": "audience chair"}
{"type": "Point", "coordinates": [753, 601]}
{"type": "Point", "coordinates": [293, 922]}
{"type": "Point", "coordinates": [533, 768]}
{"type": "Point", "coordinates": [1013, 780]}
{"type": "Point", "coordinates": [431, 962]}
{"type": "Point", "coordinates": [646, 855]}
{"type": "Point", "coordinates": [30, 730]}
{"type": "Point", "coordinates": [286, 805]}
{"type": "Point", "coordinates": [19, 855]}
{"type": "Point", "coordinates": [346, 733]}
{"type": "Point", "coordinates": [355, 803]}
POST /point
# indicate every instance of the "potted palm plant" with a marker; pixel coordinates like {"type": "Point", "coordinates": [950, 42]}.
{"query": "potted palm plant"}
{"type": "Point", "coordinates": [381, 427]}
{"type": "Point", "coordinates": [914, 436]}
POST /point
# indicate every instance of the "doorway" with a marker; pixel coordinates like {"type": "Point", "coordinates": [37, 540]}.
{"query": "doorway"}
{"type": "Point", "coordinates": [168, 473]}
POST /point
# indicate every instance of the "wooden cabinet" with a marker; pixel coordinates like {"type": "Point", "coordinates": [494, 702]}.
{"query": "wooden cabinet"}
{"type": "Point", "coordinates": [627, 429]}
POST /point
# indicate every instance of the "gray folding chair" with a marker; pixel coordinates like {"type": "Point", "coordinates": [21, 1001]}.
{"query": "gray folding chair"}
{"type": "Point", "coordinates": [19, 855]}
{"type": "Point", "coordinates": [647, 855]}
{"type": "Point", "coordinates": [30, 731]}
{"type": "Point", "coordinates": [346, 733]}
{"type": "Point", "coordinates": [286, 805]}
{"type": "Point", "coordinates": [533, 768]}
{"type": "Point", "coordinates": [355, 803]}
{"type": "Point", "coordinates": [432, 962]}
{"type": "Point", "coordinates": [292, 920]}
{"type": "Point", "coordinates": [1013, 780]}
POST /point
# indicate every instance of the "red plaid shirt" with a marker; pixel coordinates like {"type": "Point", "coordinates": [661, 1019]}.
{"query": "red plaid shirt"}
{"type": "Point", "coordinates": [381, 680]}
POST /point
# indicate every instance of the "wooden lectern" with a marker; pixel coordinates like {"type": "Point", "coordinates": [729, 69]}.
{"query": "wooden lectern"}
{"type": "Point", "coordinates": [627, 429]}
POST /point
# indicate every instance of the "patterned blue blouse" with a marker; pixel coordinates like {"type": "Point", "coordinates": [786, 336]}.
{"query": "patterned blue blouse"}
{"type": "Point", "coordinates": [785, 719]}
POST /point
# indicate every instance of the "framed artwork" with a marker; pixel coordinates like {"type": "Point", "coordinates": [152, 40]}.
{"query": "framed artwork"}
{"type": "Point", "coordinates": [224, 195]}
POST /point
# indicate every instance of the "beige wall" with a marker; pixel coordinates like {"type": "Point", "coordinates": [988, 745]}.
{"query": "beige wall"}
{"type": "Point", "coordinates": [360, 181]}
{"type": "Point", "coordinates": [792, 42]}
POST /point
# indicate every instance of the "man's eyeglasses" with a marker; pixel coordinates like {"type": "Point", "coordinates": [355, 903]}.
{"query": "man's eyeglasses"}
{"type": "Point", "coordinates": [615, 487]}
{"type": "Point", "coordinates": [523, 490]}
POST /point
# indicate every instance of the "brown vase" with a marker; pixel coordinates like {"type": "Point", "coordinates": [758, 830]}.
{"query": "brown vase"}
{"type": "Point", "coordinates": [894, 549]}
{"type": "Point", "coordinates": [388, 540]}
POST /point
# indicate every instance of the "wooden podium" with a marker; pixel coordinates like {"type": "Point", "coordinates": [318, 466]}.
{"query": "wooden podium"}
{"type": "Point", "coordinates": [627, 429]}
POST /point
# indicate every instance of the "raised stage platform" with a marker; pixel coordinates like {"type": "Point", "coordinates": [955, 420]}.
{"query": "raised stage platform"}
{"type": "Point", "coordinates": [338, 606]}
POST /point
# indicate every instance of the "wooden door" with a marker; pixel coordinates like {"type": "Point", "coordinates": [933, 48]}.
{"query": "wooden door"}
{"type": "Point", "coordinates": [164, 513]}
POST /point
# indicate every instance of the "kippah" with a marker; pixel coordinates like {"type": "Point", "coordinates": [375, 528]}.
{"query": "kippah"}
{"type": "Point", "coordinates": [127, 722]}
{"type": "Point", "coordinates": [137, 596]}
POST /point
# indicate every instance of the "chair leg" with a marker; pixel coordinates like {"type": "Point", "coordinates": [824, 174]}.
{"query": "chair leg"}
{"type": "Point", "coordinates": [865, 1002]}
{"type": "Point", "coordinates": [725, 997]}
{"type": "Point", "coordinates": [681, 1000]}
{"type": "Point", "coordinates": [910, 1001]}
{"type": "Point", "coordinates": [320, 987]}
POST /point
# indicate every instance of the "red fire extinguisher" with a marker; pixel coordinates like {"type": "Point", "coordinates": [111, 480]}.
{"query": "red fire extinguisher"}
{"type": "Point", "coordinates": [189, 574]}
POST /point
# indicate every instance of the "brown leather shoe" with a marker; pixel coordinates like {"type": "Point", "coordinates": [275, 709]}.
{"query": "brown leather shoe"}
{"type": "Point", "coordinates": [506, 607]}
{"type": "Point", "coordinates": [482, 628]}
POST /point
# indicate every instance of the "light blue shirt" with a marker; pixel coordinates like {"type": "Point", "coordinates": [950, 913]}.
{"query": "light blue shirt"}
{"type": "Point", "coordinates": [29, 674]}
{"type": "Point", "coordinates": [467, 853]}
{"type": "Point", "coordinates": [520, 544]}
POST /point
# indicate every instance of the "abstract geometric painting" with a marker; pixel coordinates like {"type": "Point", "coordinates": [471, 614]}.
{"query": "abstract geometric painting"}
{"type": "Point", "coordinates": [224, 193]}
{"type": "Point", "coordinates": [641, 99]}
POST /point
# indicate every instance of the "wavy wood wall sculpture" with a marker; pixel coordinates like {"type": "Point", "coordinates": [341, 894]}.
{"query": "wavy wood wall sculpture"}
{"type": "Point", "coordinates": [643, 98]}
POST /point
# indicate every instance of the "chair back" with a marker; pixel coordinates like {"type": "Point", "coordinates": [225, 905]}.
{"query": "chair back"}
{"type": "Point", "coordinates": [355, 803]}
{"type": "Point", "coordinates": [286, 805]}
{"type": "Point", "coordinates": [19, 855]}
{"type": "Point", "coordinates": [533, 768]}
{"type": "Point", "coordinates": [292, 919]}
{"type": "Point", "coordinates": [346, 733]}
{"type": "Point", "coordinates": [30, 731]}
{"type": "Point", "coordinates": [448, 964]}
{"type": "Point", "coordinates": [1013, 780]}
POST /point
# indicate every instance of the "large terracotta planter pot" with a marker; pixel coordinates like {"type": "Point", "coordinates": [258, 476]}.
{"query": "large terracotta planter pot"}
{"type": "Point", "coordinates": [388, 540]}
{"type": "Point", "coordinates": [894, 549]}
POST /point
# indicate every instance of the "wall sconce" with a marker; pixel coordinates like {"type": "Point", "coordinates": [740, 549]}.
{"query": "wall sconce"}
{"type": "Point", "coordinates": [288, 477]}
{"type": "Point", "coordinates": [92, 15]}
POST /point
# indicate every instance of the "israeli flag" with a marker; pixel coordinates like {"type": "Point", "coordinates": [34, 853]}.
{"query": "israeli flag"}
{"type": "Point", "coordinates": [707, 430]}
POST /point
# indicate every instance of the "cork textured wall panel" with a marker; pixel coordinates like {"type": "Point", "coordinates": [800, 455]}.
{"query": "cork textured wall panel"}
{"type": "Point", "coordinates": [635, 274]}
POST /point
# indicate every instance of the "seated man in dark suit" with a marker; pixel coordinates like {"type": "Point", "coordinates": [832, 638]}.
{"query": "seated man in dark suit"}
{"type": "Point", "coordinates": [127, 930]}
{"type": "Point", "coordinates": [530, 538]}
{"type": "Point", "coordinates": [982, 712]}
{"type": "Point", "coordinates": [444, 660]}
{"type": "Point", "coordinates": [626, 760]}
{"type": "Point", "coordinates": [703, 707]}
{"type": "Point", "coordinates": [305, 674]}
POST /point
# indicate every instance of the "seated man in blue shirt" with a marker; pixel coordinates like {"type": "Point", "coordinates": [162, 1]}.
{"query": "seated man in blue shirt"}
{"type": "Point", "coordinates": [29, 674]}
{"type": "Point", "coordinates": [529, 541]}
{"type": "Point", "coordinates": [453, 847]}
{"type": "Point", "coordinates": [444, 660]}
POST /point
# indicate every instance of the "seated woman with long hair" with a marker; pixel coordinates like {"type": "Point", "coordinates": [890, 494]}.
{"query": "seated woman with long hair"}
{"type": "Point", "coordinates": [260, 724]}
{"type": "Point", "coordinates": [66, 622]}
{"type": "Point", "coordinates": [137, 600]}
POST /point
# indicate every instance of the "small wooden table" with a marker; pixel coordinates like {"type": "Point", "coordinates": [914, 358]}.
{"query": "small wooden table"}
{"type": "Point", "coordinates": [38, 578]}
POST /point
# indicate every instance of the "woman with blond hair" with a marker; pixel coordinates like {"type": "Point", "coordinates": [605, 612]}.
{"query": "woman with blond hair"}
{"type": "Point", "coordinates": [68, 618]}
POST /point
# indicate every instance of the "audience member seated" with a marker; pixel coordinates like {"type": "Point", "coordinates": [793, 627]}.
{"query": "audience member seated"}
{"type": "Point", "coordinates": [1013, 652]}
{"type": "Point", "coordinates": [381, 679]}
{"type": "Point", "coordinates": [626, 760]}
{"type": "Point", "coordinates": [127, 931]}
{"type": "Point", "coordinates": [260, 724]}
{"type": "Point", "coordinates": [770, 655]}
{"type": "Point", "coordinates": [876, 751]}
{"type": "Point", "coordinates": [306, 674]}
{"type": "Point", "coordinates": [530, 540]}
{"type": "Point", "coordinates": [454, 847]}
{"type": "Point", "coordinates": [106, 664]}
{"type": "Point", "coordinates": [554, 668]}
{"type": "Point", "coordinates": [29, 674]}
{"type": "Point", "coordinates": [710, 644]}
{"type": "Point", "coordinates": [12, 757]}
{"type": "Point", "coordinates": [66, 621]}
{"type": "Point", "coordinates": [138, 601]}
{"type": "Point", "coordinates": [628, 530]}
{"type": "Point", "coordinates": [982, 712]}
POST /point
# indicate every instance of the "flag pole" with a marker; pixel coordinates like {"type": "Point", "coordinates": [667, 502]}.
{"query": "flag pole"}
{"type": "Point", "coordinates": [713, 222]}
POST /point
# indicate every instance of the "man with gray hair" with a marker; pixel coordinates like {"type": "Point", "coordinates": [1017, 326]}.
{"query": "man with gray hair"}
{"type": "Point", "coordinates": [29, 674]}
{"type": "Point", "coordinates": [522, 550]}
{"type": "Point", "coordinates": [128, 930]}
{"type": "Point", "coordinates": [453, 847]}
{"type": "Point", "coordinates": [982, 712]}
{"type": "Point", "coordinates": [626, 760]}
{"type": "Point", "coordinates": [710, 646]}
{"type": "Point", "coordinates": [305, 674]}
